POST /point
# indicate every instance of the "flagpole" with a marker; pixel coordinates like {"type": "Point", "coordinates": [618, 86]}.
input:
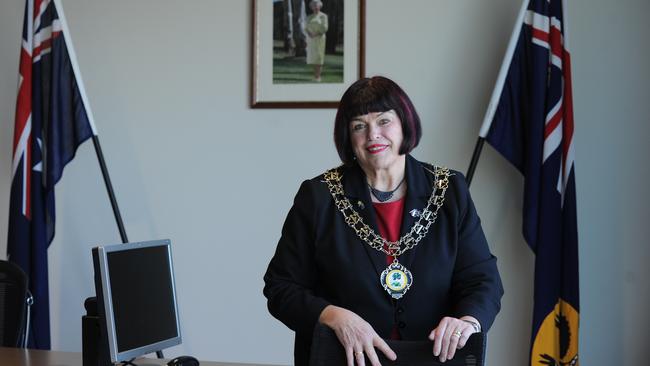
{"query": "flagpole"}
{"type": "Point", "coordinates": [496, 93]}
{"type": "Point", "coordinates": [91, 120]}
{"type": "Point", "coordinates": [478, 148]}
{"type": "Point", "coordinates": [109, 189]}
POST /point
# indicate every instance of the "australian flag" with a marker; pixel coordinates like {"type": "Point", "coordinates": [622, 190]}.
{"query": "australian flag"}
{"type": "Point", "coordinates": [533, 129]}
{"type": "Point", "coordinates": [51, 122]}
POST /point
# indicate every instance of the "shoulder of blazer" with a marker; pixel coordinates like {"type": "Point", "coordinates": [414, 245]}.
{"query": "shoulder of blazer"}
{"type": "Point", "coordinates": [456, 191]}
{"type": "Point", "coordinates": [320, 181]}
{"type": "Point", "coordinates": [430, 170]}
{"type": "Point", "coordinates": [316, 190]}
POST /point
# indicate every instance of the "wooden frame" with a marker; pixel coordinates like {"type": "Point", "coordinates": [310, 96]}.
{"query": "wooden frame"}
{"type": "Point", "coordinates": [268, 90]}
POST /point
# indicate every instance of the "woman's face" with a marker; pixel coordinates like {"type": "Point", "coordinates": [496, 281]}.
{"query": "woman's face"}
{"type": "Point", "coordinates": [315, 7]}
{"type": "Point", "coordinates": [376, 139]}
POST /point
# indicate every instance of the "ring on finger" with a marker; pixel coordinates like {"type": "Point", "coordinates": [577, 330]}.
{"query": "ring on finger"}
{"type": "Point", "coordinates": [457, 333]}
{"type": "Point", "coordinates": [358, 353]}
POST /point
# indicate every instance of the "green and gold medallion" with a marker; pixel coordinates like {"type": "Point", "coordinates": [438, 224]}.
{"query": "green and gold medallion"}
{"type": "Point", "coordinates": [396, 279]}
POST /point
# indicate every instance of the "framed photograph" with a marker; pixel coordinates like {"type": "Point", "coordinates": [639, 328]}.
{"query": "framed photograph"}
{"type": "Point", "coordinates": [305, 53]}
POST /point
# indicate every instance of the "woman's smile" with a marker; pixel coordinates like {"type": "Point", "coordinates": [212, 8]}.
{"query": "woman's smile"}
{"type": "Point", "coordinates": [376, 148]}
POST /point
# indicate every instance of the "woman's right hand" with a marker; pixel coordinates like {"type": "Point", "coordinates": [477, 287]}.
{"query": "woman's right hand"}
{"type": "Point", "coordinates": [356, 336]}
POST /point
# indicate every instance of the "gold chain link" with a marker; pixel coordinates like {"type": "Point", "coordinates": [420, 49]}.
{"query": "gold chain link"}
{"type": "Point", "coordinates": [363, 231]}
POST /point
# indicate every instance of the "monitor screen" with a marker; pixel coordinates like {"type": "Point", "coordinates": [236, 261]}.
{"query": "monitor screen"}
{"type": "Point", "coordinates": [136, 298]}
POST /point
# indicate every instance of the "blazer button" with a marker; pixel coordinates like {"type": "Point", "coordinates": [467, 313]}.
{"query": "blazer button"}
{"type": "Point", "coordinates": [402, 325]}
{"type": "Point", "coordinates": [400, 310]}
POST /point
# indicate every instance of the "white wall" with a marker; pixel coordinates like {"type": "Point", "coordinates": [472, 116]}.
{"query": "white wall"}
{"type": "Point", "coordinates": [168, 83]}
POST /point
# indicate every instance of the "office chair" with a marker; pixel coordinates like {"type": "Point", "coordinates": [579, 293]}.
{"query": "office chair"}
{"type": "Point", "coordinates": [327, 351]}
{"type": "Point", "coordinates": [15, 301]}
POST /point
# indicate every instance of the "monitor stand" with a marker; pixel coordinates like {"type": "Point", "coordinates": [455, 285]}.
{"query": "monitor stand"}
{"type": "Point", "coordinates": [94, 349]}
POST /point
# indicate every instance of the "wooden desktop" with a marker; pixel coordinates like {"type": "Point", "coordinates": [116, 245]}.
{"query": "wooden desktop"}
{"type": "Point", "coordinates": [30, 357]}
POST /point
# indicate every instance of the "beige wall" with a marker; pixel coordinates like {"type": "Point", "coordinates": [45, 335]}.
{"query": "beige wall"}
{"type": "Point", "coordinates": [168, 83]}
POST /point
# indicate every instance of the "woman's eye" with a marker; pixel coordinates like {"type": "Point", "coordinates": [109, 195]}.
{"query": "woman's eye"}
{"type": "Point", "coordinates": [384, 121]}
{"type": "Point", "coordinates": [358, 127]}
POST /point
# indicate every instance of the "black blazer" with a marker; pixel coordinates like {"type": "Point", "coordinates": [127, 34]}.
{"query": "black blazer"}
{"type": "Point", "coordinates": [320, 260]}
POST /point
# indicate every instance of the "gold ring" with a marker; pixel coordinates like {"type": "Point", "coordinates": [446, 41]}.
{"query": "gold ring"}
{"type": "Point", "coordinates": [458, 333]}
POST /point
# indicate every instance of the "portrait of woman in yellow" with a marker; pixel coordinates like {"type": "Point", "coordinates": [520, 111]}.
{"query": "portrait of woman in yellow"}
{"type": "Point", "coordinates": [316, 27]}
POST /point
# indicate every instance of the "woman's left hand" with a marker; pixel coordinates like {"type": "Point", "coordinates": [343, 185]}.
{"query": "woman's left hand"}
{"type": "Point", "coordinates": [450, 334]}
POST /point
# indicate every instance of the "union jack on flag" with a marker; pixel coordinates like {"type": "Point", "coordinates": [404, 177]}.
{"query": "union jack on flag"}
{"type": "Point", "coordinates": [533, 128]}
{"type": "Point", "coordinates": [50, 123]}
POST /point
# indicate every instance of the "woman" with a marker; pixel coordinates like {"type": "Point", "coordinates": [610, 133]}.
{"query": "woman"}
{"type": "Point", "coordinates": [316, 27]}
{"type": "Point", "coordinates": [383, 246]}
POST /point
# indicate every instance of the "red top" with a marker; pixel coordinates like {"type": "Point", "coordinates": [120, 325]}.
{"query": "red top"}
{"type": "Point", "coordinates": [389, 221]}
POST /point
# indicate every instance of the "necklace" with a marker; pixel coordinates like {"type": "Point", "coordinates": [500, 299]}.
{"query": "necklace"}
{"type": "Point", "coordinates": [395, 279]}
{"type": "Point", "coordinates": [384, 196]}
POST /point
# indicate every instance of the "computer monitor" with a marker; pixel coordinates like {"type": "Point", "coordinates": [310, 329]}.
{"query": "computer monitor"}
{"type": "Point", "coordinates": [136, 298]}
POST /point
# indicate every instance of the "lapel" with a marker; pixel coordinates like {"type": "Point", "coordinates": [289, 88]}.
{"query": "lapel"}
{"type": "Point", "coordinates": [419, 184]}
{"type": "Point", "coordinates": [356, 190]}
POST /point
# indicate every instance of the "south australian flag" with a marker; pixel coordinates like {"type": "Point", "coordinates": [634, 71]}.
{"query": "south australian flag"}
{"type": "Point", "coordinates": [533, 129]}
{"type": "Point", "coordinates": [51, 122]}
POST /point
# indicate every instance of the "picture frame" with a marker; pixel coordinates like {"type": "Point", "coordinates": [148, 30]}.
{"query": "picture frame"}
{"type": "Point", "coordinates": [285, 70]}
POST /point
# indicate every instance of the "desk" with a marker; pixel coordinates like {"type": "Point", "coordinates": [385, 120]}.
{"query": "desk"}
{"type": "Point", "coordinates": [31, 357]}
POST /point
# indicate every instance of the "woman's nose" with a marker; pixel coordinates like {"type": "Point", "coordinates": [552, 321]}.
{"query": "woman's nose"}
{"type": "Point", "coordinates": [373, 133]}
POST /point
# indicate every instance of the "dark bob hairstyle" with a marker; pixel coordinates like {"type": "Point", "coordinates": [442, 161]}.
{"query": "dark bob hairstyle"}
{"type": "Point", "coordinates": [375, 94]}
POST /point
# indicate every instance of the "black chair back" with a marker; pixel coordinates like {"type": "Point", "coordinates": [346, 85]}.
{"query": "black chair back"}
{"type": "Point", "coordinates": [326, 350]}
{"type": "Point", "coordinates": [13, 304]}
